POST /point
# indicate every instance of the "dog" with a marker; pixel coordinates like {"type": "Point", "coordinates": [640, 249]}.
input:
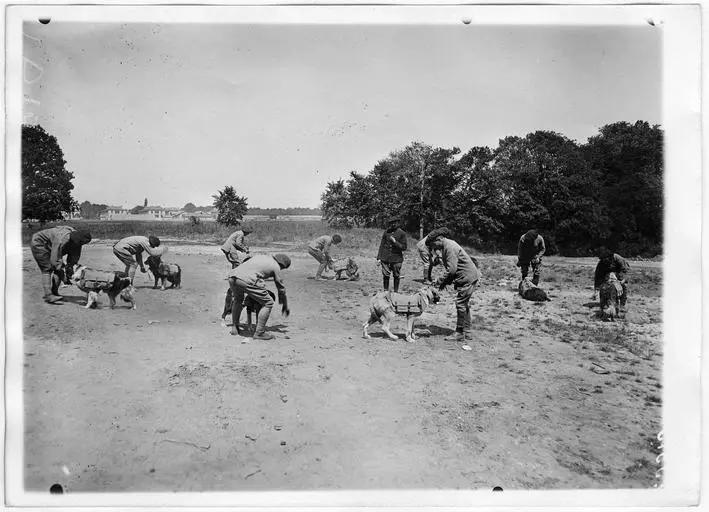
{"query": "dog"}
{"type": "Point", "coordinates": [170, 272]}
{"type": "Point", "coordinates": [347, 265]}
{"type": "Point", "coordinates": [531, 291]}
{"type": "Point", "coordinates": [254, 307]}
{"type": "Point", "coordinates": [610, 292]}
{"type": "Point", "coordinates": [114, 283]}
{"type": "Point", "coordinates": [385, 306]}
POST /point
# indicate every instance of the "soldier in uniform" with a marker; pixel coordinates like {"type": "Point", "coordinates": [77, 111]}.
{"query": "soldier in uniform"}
{"type": "Point", "coordinates": [320, 250]}
{"type": "Point", "coordinates": [391, 253]}
{"type": "Point", "coordinates": [49, 247]}
{"type": "Point", "coordinates": [530, 250]}
{"type": "Point", "coordinates": [130, 251]}
{"type": "Point", "coordinates": [608, 262]}
{"type": "Point", "coordinates": [249, 279]}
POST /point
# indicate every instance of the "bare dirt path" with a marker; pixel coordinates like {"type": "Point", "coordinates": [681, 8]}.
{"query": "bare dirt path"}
{"type": "Point", "coordinates": [164, 399]}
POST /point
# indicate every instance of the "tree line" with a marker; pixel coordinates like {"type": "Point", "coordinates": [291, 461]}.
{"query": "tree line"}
{"type": "Point", "coordinates": [607, 191]}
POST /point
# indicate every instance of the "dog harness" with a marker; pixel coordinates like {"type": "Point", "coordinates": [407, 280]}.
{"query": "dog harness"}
{"type": "Point", "coordinates": [168, 269]}
{"type": "Point", "coordinates": [346, 265]}
{"type": "Point", "coordinates": [97, 280]}
{"type": "Point", "coordinates": [613, 279]}
{"type": "Point", "coordinates": [406, 304]}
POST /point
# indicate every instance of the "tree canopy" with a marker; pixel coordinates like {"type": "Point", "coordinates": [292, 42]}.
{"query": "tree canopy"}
{"type": "Point", "coordinates": [607, 191]}
{"type": "Point", "coordinates": [231, 207]}
{"type": "Point", "coordinates": [46, 183]}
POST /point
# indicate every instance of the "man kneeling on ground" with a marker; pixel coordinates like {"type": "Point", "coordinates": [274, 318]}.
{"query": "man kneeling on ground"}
{"type": "Point", "coordinates": [249, 279]}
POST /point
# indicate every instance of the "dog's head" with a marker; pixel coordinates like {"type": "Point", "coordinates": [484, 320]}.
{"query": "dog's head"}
{"type": "Point", "coordinates": [77, 273]}
{"type": "Point", "coordinates": [153, 263]}
{"type": "Point", "coordinates": [431, 294]}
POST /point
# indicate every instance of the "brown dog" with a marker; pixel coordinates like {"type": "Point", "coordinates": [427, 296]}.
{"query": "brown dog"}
{"type": "Point", "coordinates": [385, 306]}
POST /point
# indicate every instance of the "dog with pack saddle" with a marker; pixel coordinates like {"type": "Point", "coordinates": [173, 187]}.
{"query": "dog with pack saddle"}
{"type": "Point", "coordinates": [113, 283]}
{"type": "Point", "coordinates": [163, 271]}
{"type": "Point", "coordinates": [530, 291]}
{"type": "Point", "coordinates": [346, 265]}
{"type": "Point", "coordinates": [611, 294]}
{"type": "Point", "coordinates": [385, 306]}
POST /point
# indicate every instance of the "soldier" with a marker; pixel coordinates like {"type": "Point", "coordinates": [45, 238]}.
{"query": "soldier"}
{"type": "Point", "coordinates": [391, 253]}
{"type": "Point", "coordinates": [530, 250]}
{"type": "Point", "coordinates": [130, 251]}
{"type": "Point", "coordinates": [248, 279]}
{"type": "Point", "coordinates": [462, 271]}
{"type": "Point", "coordinates": [428, 258]}
{"type": "Point", "coordinates": [320, 250]}
{"type": "Point", "coordinates": [609, 262]}
{"type": "Point", "coordinates": [236, 252]}
{"type": "Point", "coordinates": [48, 247]}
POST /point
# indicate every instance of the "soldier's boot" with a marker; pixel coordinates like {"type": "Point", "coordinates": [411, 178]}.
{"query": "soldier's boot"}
{"type": "Point", "coordinates": [386, 283]}
{"type": "Point", "coordinates": [47, 286]}
{"type": "Point", "coordinates": [131, 272]}
{"type": "Point", "coordinates": [321, 269]}
{"type": "Point", "coordinates": [396, 284]}
{"type": "Point", "coordinates": [55, 284]}
{"type": "Point", "coordinates": [260, 333]}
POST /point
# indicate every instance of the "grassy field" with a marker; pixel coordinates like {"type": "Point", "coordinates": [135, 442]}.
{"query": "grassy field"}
{"type": "Point", "coordinates": [295, 234]}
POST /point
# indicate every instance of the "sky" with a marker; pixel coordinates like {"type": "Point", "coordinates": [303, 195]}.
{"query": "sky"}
{"type": "Point", "coordinates": [175, 112]}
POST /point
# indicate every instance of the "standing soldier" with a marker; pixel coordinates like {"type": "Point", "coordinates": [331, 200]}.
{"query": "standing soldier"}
{"type": "Point", "coordinates": [236, 252]}
{"type": "Point", "coordinates": [130, 251]}
{"type": "Point", "coordinates": [462, 271]}
{"type": "Point", "coordinates": [530, 251]}
{"type": "Point", "coordinates": [608, 262]}
{"type": "Point", "coordinates": [320, 250]}
{"type": "Point", "coordinates": [49, 247]}
{"type": "Point", "coordinates": [248, 279]}
{"type": "Point", "coordinates": [428, 258]}
{"type": "Point", "coordinates": [391, 253]}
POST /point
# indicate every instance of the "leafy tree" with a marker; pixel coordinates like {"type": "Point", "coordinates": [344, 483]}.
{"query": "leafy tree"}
{"type": "Point", "coordinates": [190, 208]}
{"type": "Point", "coordinates": [46, 183]}
{"type": "Point", "coordinates": [334, 204]}
{"type": "Point", "coordinates": [231, 207]}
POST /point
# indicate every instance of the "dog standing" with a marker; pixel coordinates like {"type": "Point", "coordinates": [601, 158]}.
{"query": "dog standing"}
{"type": "Point", "coordinates": [385, 306]}
{"type": "Point", "coordinates": [530, 291]}
{"type": "Point", "coordinates": [610, 293]}
{"type": "Point", "coordinates": [170, 272]}
{"type": "Point", "coordinates": [253, 307]}
{"type": "Point", "coordinates": [112, 283]}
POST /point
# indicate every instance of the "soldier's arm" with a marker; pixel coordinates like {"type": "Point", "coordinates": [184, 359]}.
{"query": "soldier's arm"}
{"type": "Point", "coordinates": [541, 249]}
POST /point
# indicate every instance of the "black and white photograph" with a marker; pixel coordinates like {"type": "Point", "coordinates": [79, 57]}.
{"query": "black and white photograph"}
{"type": "Point", "coordinates": [263, 253]}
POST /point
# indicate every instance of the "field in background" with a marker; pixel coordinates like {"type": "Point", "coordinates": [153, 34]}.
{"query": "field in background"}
{"type": "Point", "coordinates": [293, 233]}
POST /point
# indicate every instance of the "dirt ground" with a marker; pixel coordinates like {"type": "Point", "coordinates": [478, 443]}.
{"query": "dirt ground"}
{"type": "Point", "coordinates": [164, 399]}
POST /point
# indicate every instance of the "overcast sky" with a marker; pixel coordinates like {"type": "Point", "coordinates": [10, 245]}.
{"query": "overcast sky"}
{"type": "Point", "coordinates": [175, 112]}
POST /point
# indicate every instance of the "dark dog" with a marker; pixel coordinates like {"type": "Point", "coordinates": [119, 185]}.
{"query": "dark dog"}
{"type": "Point", "coordinates": [385, 306]}
{"type": "Point", "coordinates": [531, 291]}
{"type": "Point", "coordinates": [112, 283]}
{"type": "Point", "coordinates": [610, 292]}
{"type": "Point", "coordinates": [170, 272]}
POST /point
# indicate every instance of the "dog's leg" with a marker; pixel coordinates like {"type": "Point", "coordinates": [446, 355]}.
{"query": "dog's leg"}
{"type": "Point", "coordinates": [156, 280]}
{"type": "Point", "coordinates": [112, 300]}
{"type": "Point", "coordinates": [88, 300]}
{"type": "Point", "coordinates": [410, 329]}
{"type": "Point", "coordinates": [162, 283]}
{"type": "Point", "coordinates": [386, 324]}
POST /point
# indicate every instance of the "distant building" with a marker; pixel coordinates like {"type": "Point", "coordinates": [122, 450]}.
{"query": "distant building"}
{"type": "Point", "coordinates": [153, 212]}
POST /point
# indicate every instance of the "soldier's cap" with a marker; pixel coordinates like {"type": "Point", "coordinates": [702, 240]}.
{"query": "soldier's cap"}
{"type": "Point", "coordinates": [80, 237]}
{"type": "Point", "coordinates": [154, 241]}
{"type": "Point", "coordinates": [247, 229]}
{"type": "Point", "coordinates": [436, 234]}
{"type": "Point", "coordinates": [336, 239]}
{"type": "Point", "coordinates": [532, 233]}
{"type": "Point", "coordinates": [282, 259]}
{"type": "Point", "coordinates": [604, 252]}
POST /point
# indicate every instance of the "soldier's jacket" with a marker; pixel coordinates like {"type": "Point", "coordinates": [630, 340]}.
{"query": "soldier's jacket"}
{"type": "Point", "coordinates": [54, 242]}
{"type": "Point", "coordinates": [460, 268]}
{"type": "Point", "coordinates": [321, 243]}
{"type": "Point", "coordinates": [259, 268]}
{"type": "Point", "coordinates": [527, 250]}
{"type": "Point", "coordinates": [236, 246]}
{"type": "Point", "coordinates": [392, 252]}
{"type": "Point", "coordinates": [137, 244]}
{"type": "Point", "coordinates": [616, 264]}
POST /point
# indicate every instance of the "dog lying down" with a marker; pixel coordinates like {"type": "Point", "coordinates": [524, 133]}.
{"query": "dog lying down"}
{"type": "Point", "coordinates": [346, 265]}
{"type": "Point", "coordinates": [385, 306]}
{"type": "Point", "coordinates": [170, 272]}
{"type": "Point", "coordinates": [112, 282]}
{"type": "Point", "coordinates": [531, 291]}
